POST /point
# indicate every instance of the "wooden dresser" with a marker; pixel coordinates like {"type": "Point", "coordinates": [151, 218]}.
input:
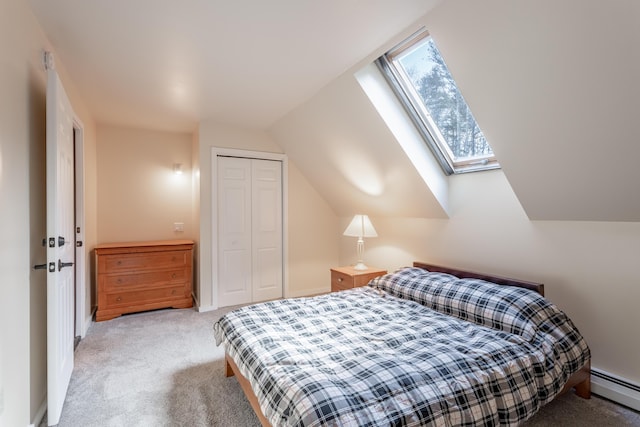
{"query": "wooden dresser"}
{"type": "Point", "coordinates": [139, 276]}
{"type": "Point", "coordinates": [348, 277]}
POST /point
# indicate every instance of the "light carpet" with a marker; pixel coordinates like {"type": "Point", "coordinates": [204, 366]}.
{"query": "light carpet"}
{"type": "Point", "coordinates": [163, 368]}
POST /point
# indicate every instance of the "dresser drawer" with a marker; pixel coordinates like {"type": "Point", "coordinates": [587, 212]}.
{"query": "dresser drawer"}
{"type": "Point", "coordinates": [145, 296]}
{"type": "Point", "coordinates": [140, 261]}
{"type": "Point", "coordinates": [147, 279]}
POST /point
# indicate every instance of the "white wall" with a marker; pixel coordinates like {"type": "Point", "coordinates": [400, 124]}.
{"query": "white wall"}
{"type": "Point", "coordinates": [22, 207]}
{"type": "Point", "coordinates": [139, 196]}
{"type": "Point", "coordinates": [589, 268]}
{"type": "Point", "coordinates": [313, 236]}
{"type": "Point", "coordinates": [20, 81]}
{"type": "Point", "coordinates": [195, 209]}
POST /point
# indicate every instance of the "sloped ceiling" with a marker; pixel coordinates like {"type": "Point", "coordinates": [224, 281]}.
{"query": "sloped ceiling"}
{"type": "Point", "coordinates": [345, 149]}
{"type": "Point", "coordinates": [166, 64]}
{"type": "Point", "coordinates": [554, 86]}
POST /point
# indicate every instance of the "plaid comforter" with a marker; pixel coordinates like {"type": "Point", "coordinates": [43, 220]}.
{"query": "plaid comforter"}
{"type": "Point", "coordinates": [387, 354]}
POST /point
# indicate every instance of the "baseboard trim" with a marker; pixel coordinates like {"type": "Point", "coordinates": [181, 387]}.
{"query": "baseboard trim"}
{"type": "Point", "coordinates": [310, 292]}
{"type": "Point", "coordinates": [204, 309]}
{"type": "Point", "coordinates": [303, 293]}
{"type": "Point", "coordinates": [615, 388]}
{"type": "Point", "coordinates": [39, 416]}
{"type": "Point", "coordinates": [87, 323]}
{"type": "Point", "coordinates": [196, 302]}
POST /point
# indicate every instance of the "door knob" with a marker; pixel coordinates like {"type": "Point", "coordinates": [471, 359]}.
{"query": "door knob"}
{"type": "Point", "coordinates": [62, 265]}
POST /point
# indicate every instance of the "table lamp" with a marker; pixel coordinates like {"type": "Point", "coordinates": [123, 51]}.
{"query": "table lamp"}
{"type": "Point", "coordinates": [360, 227]}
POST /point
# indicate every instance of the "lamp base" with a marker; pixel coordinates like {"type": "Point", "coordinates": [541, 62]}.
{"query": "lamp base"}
{"type": "Point", "coordinates": [360, 266]}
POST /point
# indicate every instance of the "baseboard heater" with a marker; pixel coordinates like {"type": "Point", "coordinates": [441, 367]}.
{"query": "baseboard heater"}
{"type": "Point", "coordinates": [615, 388]}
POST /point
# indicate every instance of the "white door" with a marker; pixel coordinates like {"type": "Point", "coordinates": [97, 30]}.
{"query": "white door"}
{"type": "Point", "coordinates": [266, 229]}
{"type": "Point", "coordinates": [60, 245]}
{"type": "Point", "coordinates": [250, 238]}
{"type": "Point", "coordinates": [234, 230]}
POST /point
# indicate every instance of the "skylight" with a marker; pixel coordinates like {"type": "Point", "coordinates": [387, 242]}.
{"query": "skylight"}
{"type": "Point", "coordinates": [421, 80]}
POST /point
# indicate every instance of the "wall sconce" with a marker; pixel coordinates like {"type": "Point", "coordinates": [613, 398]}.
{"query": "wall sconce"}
{"type": "Point", "coordinates": [177, 168]}
{"type": "Point", "coordinates": [360, 227]}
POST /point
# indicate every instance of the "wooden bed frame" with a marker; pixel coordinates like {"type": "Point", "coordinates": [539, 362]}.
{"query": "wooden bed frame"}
{"type": "Point", "coordinates": [580, 381]}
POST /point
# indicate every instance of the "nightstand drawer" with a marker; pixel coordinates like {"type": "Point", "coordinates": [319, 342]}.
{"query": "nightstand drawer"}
{"type": "Point", "coordinates": [340, 281]}
{"type": "Point", "coordinates": [343, 278]}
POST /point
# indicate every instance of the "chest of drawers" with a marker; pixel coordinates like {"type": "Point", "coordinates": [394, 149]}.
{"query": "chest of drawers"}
{"type": "Point", "coordinates": [139, 276]}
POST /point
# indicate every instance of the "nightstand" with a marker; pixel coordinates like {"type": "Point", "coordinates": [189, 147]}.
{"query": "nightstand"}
{"type": "Point", "coordinates": [347, 277]}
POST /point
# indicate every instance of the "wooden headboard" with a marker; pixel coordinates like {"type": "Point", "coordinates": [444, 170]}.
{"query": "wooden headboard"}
{"type": "Point", "coordinates": [538, 287]}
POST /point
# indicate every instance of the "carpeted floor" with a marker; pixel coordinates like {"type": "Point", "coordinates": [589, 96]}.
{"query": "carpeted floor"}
{"type": "Point", "coordinates": [162, 368]}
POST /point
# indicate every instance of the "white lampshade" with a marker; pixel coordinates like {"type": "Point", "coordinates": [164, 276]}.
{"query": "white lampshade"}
{"type": "Point", "coordinates": [360, 227]}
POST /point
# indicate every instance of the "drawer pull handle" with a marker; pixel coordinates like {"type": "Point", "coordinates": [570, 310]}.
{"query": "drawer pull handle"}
{"type": "Point", "coordinates": [173, 292]}
{"type": "Point", "coordinates": [173, 276]}
{"type": "Point", "coordinates": [119, 280]}
{"type": "Point", "coordinates": [118, 299]}
{"type": "Point", "coordinates": [340, 279]}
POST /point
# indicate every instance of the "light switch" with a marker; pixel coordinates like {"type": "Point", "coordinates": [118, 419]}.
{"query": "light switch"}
{"type": "Point", "coordinates": [178, 226]}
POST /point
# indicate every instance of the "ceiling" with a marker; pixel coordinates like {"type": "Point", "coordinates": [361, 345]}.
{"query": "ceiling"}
{"type": "Point", "coordinates": [561, 126]}
{"type": "Point", "coordinates": [164, 64]}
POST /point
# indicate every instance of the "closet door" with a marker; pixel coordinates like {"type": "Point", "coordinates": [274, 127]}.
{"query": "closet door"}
{"type": "Point", "coordinates": [267, 229]}
{"type": "Point", "coordinates": [250, 234]}
{"type": "Point", "coordinates": [234, 231]}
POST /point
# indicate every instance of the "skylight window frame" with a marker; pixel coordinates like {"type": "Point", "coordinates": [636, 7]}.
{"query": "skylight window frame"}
{"type": "Point", "coordinates": [405, 90]}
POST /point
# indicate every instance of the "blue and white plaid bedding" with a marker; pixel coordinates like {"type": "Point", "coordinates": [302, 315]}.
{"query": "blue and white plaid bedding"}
{"type": "Point", "coordinates": [365, 357]}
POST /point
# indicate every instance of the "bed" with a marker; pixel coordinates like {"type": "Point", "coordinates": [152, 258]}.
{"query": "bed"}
{"type": "Point", "coordinates": [425, 345]}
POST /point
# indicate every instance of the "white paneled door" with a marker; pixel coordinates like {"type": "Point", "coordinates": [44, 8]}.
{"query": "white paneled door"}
{"type": "Point", "coordinates": [250, 238]}
{"type": "Point", "coordinates": [60, 245]}
{"type": "Point", "coordinates": [266, 226]}
{"type": "Point", "coordinates": [234, 231]}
